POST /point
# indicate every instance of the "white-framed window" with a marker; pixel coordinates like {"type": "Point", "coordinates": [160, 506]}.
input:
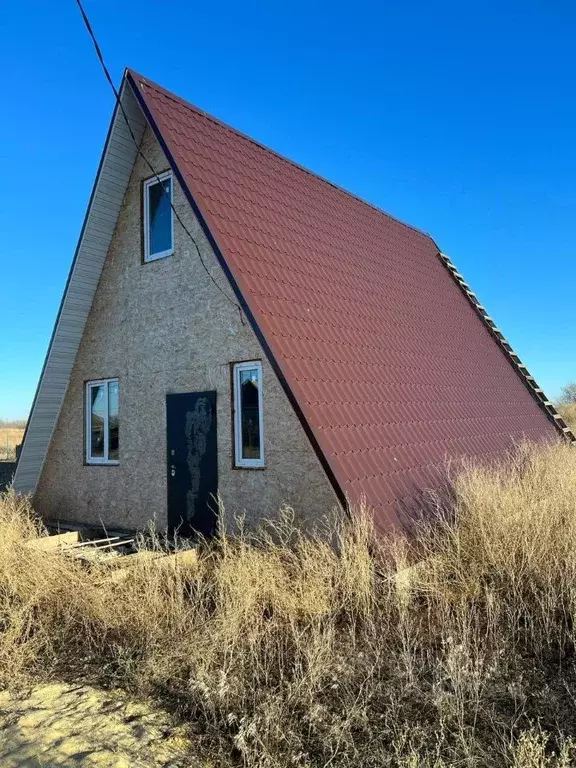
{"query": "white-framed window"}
{"type": "Point", "coordinates": [158, 217]}
{"type": "Point", "coordinates": [248, 421]}
{"type": "Point", "coordinates": [102, 425]}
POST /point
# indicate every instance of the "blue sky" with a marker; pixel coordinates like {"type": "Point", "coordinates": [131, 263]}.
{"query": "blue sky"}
{"type": "Point", "coordinates": [456, 117]}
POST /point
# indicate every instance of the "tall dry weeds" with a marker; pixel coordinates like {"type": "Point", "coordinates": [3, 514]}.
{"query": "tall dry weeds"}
{"type": "Point", "coordinates": [291, 650]}
{"type": "Point", "coordinates": [568, 413]}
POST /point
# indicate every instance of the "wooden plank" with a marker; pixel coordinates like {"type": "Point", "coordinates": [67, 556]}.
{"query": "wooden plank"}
{"type": "Point", "coordinates": [92, 542]}
{"type": "Point", "coordinates": [121, 568]}
{"type": "Point", "coordinates": [135, 558]}
{"type": "Point", "coordinates": [52, 543]}
{"type": "Point", "coordinates": [182, 557]}
{"type": "Point", "coordinates": [111, 544]}
{"type": "Point", "coordinates": [102, 555]}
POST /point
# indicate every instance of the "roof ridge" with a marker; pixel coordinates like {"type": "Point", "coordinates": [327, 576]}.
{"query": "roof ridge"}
{"type": "Point", "coordinates": [189, 105]}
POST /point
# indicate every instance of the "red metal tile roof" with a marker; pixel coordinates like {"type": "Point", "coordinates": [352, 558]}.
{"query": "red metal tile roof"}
{"type": "Point", "coordinates": [393, 369]}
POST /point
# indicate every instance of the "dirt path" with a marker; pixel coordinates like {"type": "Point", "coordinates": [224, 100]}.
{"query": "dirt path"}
{"type": "Point", "coordinates": [65, 725]}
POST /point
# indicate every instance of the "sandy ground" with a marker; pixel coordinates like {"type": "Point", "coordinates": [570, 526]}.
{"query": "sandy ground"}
{"type": "Point", "coordinates": [66, 725]}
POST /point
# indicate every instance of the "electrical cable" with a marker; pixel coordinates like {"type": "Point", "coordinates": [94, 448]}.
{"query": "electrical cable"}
{"type": "Point", "coordinates": [148, 163]}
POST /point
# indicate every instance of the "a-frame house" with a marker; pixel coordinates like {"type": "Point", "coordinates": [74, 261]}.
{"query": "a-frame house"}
{"type": "Point", "coordinates": [235, 324]}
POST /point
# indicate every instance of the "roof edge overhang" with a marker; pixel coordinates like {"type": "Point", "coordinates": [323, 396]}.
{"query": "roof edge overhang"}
{"type": "Point", "coordinates": [112, 177]}
{"type": "Point", "coordinates": [525, 376]}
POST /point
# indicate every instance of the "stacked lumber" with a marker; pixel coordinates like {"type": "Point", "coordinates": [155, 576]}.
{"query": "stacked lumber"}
{"type": "Point", "coordinates": [119, 552]}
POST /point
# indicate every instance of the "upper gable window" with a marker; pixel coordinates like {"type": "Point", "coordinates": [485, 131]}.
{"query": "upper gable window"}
{"type": "Point", "coordinates": [158, 217]}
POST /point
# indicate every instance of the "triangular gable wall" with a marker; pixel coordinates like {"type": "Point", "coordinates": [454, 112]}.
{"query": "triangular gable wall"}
{"type": "Point", "coordinates": [105, 202]}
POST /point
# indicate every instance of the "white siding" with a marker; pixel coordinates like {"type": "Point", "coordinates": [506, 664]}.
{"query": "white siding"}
{"type": "Point", "coordinates": [108, 194]}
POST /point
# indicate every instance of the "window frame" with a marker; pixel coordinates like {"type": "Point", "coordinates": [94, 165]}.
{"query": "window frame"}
{"type": "Point", "coordinates": [239, 461]}
{"type": "Point", "coordinates": [88, 423]}
{"type": "Point", "coordinates": [146, 185]}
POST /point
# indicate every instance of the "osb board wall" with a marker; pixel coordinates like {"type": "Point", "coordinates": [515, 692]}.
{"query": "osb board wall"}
{"type": "Point", "coordinates": [163, 327]}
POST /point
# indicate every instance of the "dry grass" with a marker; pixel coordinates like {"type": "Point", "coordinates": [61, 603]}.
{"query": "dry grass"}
{"type": "Point", "coordinates": [568, 413]}
{"type": "Point", "coordinates": [10, 437]}
{"type": "Point", "coordinates": [285, 651]}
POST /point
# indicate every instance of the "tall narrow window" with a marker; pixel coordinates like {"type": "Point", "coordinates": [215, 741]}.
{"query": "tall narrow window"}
{"type": "Point", "coordinates": [158, 224]}
{"type": "Point", "coordinates": [102, 426]}
{"type": "Point", "coordinates": [248, 427]}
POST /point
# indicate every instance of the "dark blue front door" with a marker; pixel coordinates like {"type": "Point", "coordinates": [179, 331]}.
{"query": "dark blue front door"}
{"type": "Point", "coordinates": [192, 463]}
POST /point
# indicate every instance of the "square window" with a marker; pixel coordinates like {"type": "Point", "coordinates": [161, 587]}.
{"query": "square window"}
{"type": "Point", "coordinates": [248, 421]}
{"type": "Point", "coordinates": [158, 217]}
{"type": "Point", "coordinates": [102, 424]}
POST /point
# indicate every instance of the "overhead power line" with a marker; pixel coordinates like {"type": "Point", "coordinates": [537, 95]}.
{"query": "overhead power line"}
{"type": "Point", "coordinates": [145, 159]}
